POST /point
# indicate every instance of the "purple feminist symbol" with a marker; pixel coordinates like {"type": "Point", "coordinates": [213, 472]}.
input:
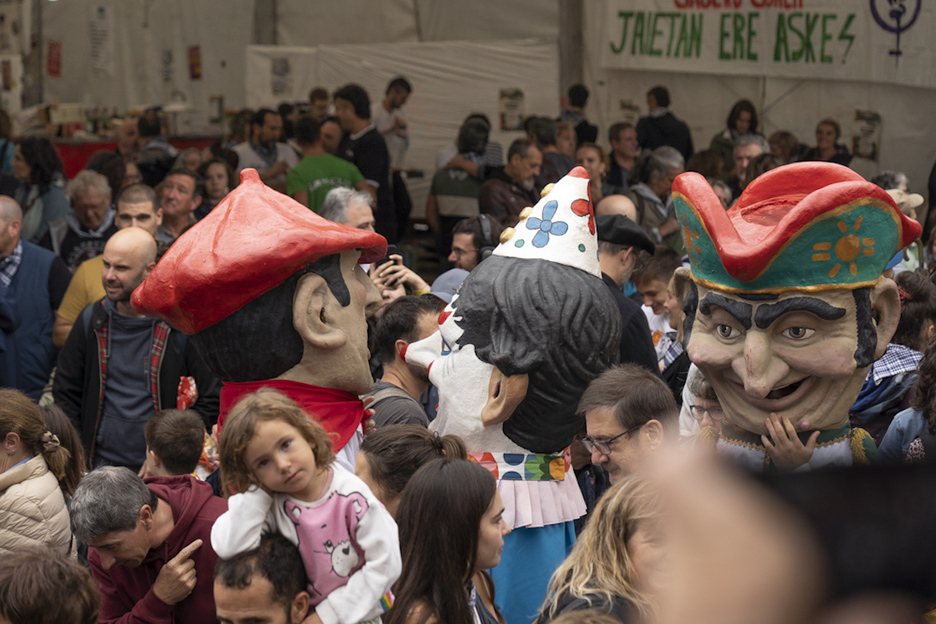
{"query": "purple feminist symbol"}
{"type": "Point", "coordinates": [898, 22]}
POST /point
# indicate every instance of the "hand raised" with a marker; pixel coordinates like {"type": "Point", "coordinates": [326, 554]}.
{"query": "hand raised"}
{"type": "Point", "coordinates": [177, 578]}
{"type": "Point", "coordinates": [784, 447]}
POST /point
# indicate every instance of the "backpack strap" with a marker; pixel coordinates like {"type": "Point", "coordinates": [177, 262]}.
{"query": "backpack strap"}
{"type": "Point", "coordinates": [86, 316]}
{"type": "Point", "coordinates": [392, 391]}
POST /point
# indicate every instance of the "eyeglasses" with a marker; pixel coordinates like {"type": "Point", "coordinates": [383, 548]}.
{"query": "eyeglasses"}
{"type": "Point", "coordinates": [715, 413]}
{"type": "Point", "coordinates": [604, 446]}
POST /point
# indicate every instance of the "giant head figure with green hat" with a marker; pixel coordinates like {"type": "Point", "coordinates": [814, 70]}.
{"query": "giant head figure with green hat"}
{"type": "Point", "coordinates": [790, 307]}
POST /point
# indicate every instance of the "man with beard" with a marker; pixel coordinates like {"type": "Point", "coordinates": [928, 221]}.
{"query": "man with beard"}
{"type": "Point", "coordinates": [396, 395]}
{"type": "Point", "coordinates": [511, 188]}
{"type": "Point", "coordinates": [265, 152]}
{"type": "Point", "coordinates": [101, 384]}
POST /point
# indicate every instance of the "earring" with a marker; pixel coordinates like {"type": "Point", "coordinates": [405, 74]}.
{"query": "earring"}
{"type": "Point", "coordinates": [10, 452]}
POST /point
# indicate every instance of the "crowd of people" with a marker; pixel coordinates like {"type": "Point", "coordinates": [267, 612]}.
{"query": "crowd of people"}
{"type": "Point", "coordinates": [109, 418]}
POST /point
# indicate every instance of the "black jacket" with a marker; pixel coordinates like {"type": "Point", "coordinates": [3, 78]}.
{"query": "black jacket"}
{"type": "Point", "coordinates": [652, 132]}
{"type": "Point", "coordinates": [675, 375]}
{"type": "Point", "coordinates": [79, 386]}
{"type": "Point", "coordinates": [636, 341]}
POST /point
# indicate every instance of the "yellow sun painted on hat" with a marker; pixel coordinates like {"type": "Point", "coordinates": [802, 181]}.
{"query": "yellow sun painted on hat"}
{"type": "Point", "coordinates": [846, 249]}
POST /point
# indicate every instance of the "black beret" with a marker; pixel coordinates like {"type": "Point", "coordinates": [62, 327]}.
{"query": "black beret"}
{"type": "Point", "coordinates": [620, 230]}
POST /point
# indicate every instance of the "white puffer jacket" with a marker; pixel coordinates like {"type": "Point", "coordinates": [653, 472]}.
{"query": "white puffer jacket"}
{"type": "Point", "coordinates": [32, 509]}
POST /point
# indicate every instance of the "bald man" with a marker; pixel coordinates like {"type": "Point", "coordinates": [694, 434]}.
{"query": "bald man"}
{"type": "Point", "coordinates": [33, 281]}
{"type": "Point", "coordinates": [617, 204]}
{"type": "Point", "coordinates": [137, 205]}
{"type": "Point", "coordinates": [118, 368]}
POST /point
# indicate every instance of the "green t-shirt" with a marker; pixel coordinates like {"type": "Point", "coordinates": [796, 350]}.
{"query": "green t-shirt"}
{"type": "Point", "coordinates": [319, 174]}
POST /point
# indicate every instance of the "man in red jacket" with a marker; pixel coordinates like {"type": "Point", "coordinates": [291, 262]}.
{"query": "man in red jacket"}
{"type": "Point", "coordinates": [150, 552]}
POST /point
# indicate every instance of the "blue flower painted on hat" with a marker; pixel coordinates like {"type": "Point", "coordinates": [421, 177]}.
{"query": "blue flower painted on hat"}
{"type": "Point", "coordinates": [546, 225]}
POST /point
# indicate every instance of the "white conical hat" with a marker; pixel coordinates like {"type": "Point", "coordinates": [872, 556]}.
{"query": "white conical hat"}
{"type": "Point", "coordinates": [560, 228]}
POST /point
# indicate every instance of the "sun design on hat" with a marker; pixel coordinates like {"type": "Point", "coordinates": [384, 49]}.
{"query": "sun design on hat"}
{"type": "Point", "coordinates": [847, 249]}
{"type": "Point", "coordinates": [689, 239]}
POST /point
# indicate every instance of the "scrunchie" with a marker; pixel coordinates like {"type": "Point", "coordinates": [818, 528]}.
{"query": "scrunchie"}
{"type": "Point", "coordinates": [437, 442]}
{"type": "Point", "coordinates": [50, 442]}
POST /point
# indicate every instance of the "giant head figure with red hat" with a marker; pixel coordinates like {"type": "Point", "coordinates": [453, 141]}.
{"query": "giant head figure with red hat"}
{"type": "Point", "coordinates": [273, 295]}
{"type": "Point", "coordinates": [789, 307]}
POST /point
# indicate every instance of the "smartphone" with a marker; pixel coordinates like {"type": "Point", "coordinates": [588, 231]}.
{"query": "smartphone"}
{"type": "Point", "coordinates": [391, 250]}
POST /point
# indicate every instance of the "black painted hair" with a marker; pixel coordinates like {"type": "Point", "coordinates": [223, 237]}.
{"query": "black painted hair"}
{"type": "Point", "coordinates": [548, 320]}
{"type": "Point", "coordinates": [275, 345]}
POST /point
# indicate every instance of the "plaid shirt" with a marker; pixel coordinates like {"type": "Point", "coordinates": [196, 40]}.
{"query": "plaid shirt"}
{"type": "Point", "coordinates": [897, 360]}
{"type": "Point", "coordinates": [10, 264]}
{"type": "Point", "coordinates": [674, 351]}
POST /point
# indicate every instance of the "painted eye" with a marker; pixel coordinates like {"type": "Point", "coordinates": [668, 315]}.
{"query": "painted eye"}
{"type": "Point", "coordinates": [798, 333]}
{"type": "Point", "coordinates": [727, 332]}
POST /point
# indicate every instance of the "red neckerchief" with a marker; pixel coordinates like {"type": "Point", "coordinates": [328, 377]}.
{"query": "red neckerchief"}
{"type": "Point", "coordinates": [339, 412]}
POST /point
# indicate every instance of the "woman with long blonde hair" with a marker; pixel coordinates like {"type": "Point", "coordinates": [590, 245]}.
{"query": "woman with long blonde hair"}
{"type": "Point", "coordinates": [615, 566]}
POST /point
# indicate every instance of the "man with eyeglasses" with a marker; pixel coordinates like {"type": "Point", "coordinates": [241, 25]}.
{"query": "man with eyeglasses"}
{"type": "Point", "coordinates": [706, 410]}
{"type": "Point", "coordinates": [469, 240]}
{"type": "Point", "coordinates": [630, 414]}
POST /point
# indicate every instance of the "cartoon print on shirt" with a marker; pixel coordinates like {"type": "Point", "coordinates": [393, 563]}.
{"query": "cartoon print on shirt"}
{"type": "Point", "coordinates": [326, 535]}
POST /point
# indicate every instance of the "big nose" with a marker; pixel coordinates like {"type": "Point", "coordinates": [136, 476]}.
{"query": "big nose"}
{"type": "Point", "coordinates": [107, 561]}
{"type": "Point", "coordinates": [597, 458]}
{"type": "Point", "coordinates": [761, 370]}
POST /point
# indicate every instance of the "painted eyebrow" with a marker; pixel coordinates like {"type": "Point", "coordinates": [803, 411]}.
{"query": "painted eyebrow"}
{"type": "Point", "coordinates": [769, 312]}
{"type": "Point", "coordinates": [738, 309]}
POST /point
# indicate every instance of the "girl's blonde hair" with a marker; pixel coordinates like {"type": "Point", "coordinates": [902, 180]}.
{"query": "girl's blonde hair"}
{"type": "Point", "coordinates": [264, 405]}
{"type": "Point", "coordinates": [599, 564]}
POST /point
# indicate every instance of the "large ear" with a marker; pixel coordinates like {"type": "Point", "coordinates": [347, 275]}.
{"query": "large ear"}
{"type": "Point", "coordinates": [681, 278]}
{"type": "Point", "coordinates": [312, 306]}
{"type": "Point", "coordinates": [653, 430]}
{"type": "Point", "coordinates": [885, 306]}
{"type": "Point", "coordinates": [300, 605]}
{"type": "Point", "coordinates": [504, 395]}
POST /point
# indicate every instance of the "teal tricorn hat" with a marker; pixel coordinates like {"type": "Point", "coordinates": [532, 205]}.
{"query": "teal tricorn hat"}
{"type": "Point", "coordinates": [804, 226]}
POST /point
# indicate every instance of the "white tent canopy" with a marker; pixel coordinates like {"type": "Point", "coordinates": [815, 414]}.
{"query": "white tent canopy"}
{"type": "Point", "coordinates": [122, 53]}
{"type": "Point", "coordinates": [450, 80]}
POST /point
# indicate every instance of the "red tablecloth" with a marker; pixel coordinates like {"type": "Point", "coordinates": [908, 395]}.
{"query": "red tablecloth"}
{"type": "Point", "coordinates": [75, 153]}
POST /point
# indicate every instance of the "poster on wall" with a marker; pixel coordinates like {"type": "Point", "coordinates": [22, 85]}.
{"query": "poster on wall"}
{"type": "Point", "coordinates": [54, 59]}
{"type": "Point", "coordinates": [876, 40]}
{"type": "Point", "coordinates": [866, 136]}
{"type": "Point", "coordinates": [101, 38]}
{"type": "Point", "coordinates": [510, 109]}
{"type": "Point", "coordinates": [10, 27]}
{"type": "Point", "coordinates": [280, 76]}
{"type": "Point", "coordinates": [194, 62]}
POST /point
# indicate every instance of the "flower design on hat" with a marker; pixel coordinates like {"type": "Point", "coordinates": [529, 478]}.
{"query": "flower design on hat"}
{"type": "Point", "coordinates": [583, 207]}
{"type": "Point", "coordinates": [846, 249]}
{"type": "Point", "coordinates": [546, 225]}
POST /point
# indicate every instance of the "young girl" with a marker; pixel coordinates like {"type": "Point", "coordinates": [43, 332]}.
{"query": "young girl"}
{"type": "Point", "coordinates": [280, 463]}
{"type": "Point", "coordinates": [451, 530]}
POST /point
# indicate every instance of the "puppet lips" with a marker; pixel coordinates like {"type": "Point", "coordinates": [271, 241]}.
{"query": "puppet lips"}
{"type": "Point", "coordinates": [780, 398]}
{"type": "Point", "coordinates": [785, 391]}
